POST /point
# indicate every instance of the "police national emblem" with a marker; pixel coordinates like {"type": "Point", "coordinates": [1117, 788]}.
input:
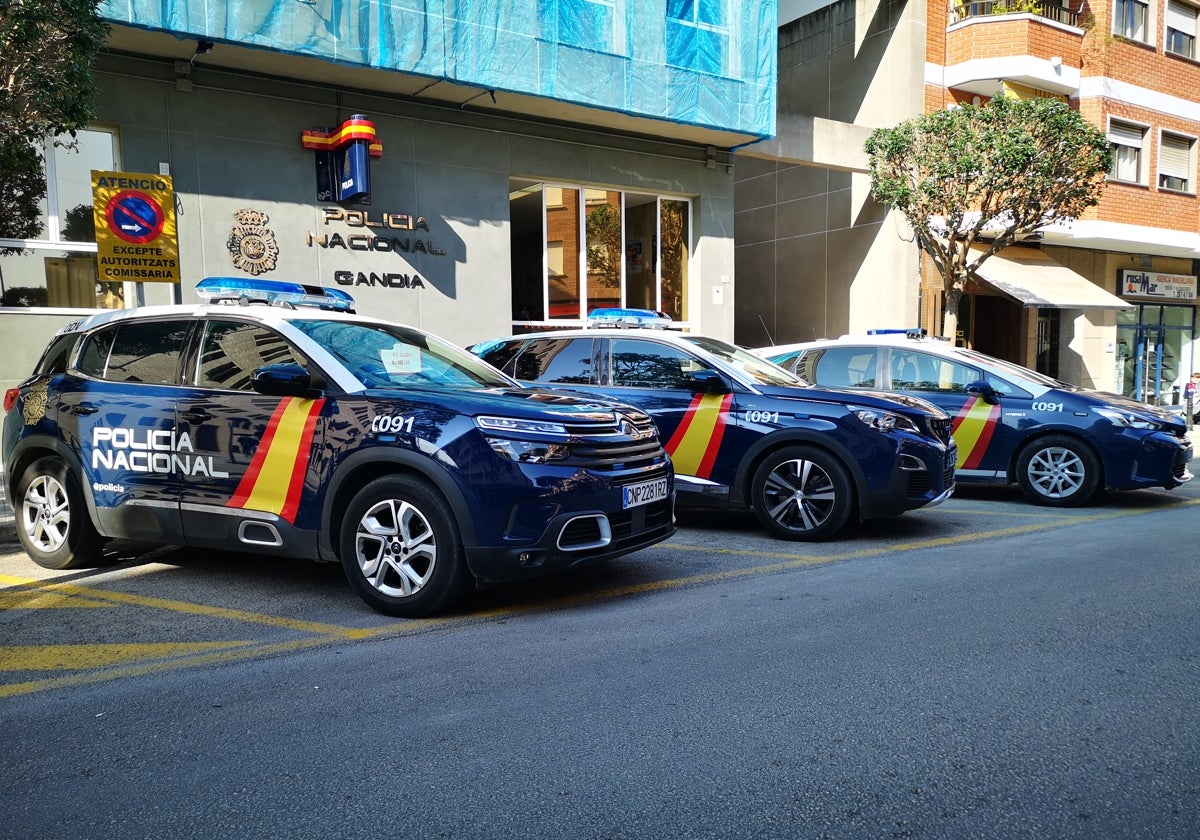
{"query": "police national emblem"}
{"type": "Point", "coordinates": [251, 243]}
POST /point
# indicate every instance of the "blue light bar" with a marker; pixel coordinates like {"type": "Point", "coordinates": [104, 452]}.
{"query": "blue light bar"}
{"type": "Point", "coordinates": [629, 318]}
{"type": "Point", "coordinates": [273, 291]}
{"type": "Point", "coordinates": [911, 332]}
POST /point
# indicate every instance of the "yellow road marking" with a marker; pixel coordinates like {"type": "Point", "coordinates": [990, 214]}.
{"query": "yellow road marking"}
{"type": "Point", "coordinates": [77, 657]}
{"type": "Point", "coordinates": [326, 634]}
{"type": "Point", "coordinates": [18, 600]}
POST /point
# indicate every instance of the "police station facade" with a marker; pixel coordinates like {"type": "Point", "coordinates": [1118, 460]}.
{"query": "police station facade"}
{"type": "Point", "coordinates": [510, 187]}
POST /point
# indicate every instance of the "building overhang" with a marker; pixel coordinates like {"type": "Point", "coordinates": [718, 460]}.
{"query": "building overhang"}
{"type": "Point", "coordinates": [986, 76]}
{"type": "Point", "coordinates": [1035, 281]}
{"type": "Point", "coordinates": [1125, 239]}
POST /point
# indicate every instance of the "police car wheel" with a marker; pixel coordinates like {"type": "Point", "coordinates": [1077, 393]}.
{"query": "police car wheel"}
{"type": "Point", "coordinates": [53, 522]}
{"type": "Point", "coordinates": [1058, 471]}
{"type": "Point", "coordinates": [801, 493]}
{"type": "Point", "coordinates": [400, 547]}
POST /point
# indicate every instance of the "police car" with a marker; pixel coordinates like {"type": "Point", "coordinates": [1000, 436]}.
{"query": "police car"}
{"type": "Point", "coordinates": [273, 419]}
{"type": "Point", "coordinates": [742, 432]}
{"type": "Point", "coordinates": [1061, 444]}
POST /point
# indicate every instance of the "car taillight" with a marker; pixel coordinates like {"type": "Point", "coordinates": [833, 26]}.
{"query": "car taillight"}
{"type": "Point", "coordinates": [10, 398]}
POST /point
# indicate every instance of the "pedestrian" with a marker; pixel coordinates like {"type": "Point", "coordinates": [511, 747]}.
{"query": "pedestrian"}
{"type": "Point", "coordinates": [1191, 397]}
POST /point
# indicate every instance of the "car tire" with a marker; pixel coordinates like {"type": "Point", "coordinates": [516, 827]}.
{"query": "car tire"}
{"type": "Point", "coordinates": [401, 549]}
{"type": "Point", "coordinates": [802, 493]}
{"type": "Point", "coordinates": [1058, 471]}
{"type": "Point", "coordinates": [53, 522]}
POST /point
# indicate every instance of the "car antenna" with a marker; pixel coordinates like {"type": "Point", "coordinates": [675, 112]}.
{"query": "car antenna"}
{"type": "Point", "coordinates": [770, 338]}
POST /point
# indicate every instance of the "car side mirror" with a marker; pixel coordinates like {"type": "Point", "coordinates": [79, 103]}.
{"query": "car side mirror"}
{"type": "Point", "coordinates": [707, 382]}
{"type": "Point", "coordinates": [283, 381]}
{"type": "Point", "coordinates": [984, 391]}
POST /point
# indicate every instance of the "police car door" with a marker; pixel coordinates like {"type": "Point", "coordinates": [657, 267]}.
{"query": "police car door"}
{"type": "Point", "coordinates": [984, 442]}
{"type": "Point", "coordinates": [252, 450]}
{"type": "Point", "coordinates": [117, 406]}
{"type": "Point", "coordinates": [661, 379]}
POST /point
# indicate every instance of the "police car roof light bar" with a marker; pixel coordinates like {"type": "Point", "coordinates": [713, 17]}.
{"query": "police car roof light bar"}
{"type": "Point", "coordinates": [629, 319]}
{"type": "Point", "coordinates": [908, 332]}
{"type": "Point", "coordinates": [273, 292]}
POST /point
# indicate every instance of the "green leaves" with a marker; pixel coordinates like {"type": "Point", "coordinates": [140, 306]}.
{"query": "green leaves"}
{"type": "Point", "coordinates": [998, 170]}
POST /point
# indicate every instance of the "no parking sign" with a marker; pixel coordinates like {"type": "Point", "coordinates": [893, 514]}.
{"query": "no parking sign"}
{"type": "Point", "coordinates": [135, 227]}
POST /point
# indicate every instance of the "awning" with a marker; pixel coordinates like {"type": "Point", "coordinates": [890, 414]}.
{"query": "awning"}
{"type": "Point", "coordinates": [1035, 281]}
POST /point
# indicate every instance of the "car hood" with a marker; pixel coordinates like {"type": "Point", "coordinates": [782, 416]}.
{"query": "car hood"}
{"type": "Point", "coordinates": [1108, 400]}
{"type": "Point", "coordinates": [898, 403]}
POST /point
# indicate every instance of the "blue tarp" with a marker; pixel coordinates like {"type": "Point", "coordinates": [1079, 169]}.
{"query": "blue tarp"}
{"type": "Point", "coordinates": [709, 63]}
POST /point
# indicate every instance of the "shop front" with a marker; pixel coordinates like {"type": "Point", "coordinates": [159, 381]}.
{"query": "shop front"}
{"type": "Point", "coordinates": [1157, 348]}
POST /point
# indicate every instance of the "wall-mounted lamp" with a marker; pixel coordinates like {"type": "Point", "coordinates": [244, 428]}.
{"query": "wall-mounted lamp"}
{"type": "Point", "coordinates": [710, 157]}
{"type": "Point", "coordinates": [1056, 61]}
{"type": "Point", "coordinates": [202, 48]}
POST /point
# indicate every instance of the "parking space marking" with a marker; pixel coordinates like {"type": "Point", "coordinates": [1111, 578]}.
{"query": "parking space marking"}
{"type": "Point", "coordinates": [189, 607]}
{"type": "Point", "coordinates": [32, 600]}
{"type": "Point", "coordinates": [79, 657]}
{"type": "Point", "coordinates": [320, 634]}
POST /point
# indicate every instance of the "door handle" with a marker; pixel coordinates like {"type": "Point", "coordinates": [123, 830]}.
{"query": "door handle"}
{"type": "Point", "coordinates": [198, 415]}
{"type": "Point", "coordinates": [84, 408]}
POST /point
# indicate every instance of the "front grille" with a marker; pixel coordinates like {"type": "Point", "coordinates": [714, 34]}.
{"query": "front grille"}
{"type": "Point", "coordinates": [630, 443]}
{"type": "Point", "coordinates": [637, 521]}
{"type": "Point", "coordinates": [583, 531]}
{"type": "Point", "coordinates": [919, 483]}
{"type": "Point", "coordinates": [939, 427]}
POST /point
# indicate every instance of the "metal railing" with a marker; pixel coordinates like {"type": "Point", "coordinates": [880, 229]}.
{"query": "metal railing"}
{"type": "Point", "coordinates": [1049, 9]}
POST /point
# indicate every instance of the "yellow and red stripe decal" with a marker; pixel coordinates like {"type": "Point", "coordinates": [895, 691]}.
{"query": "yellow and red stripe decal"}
{"type": "Point", "coordinates": [350, 130]}
{"type": "Point", "coordinates": [275, 477]}
{"type": "Point", "coordinates": [972, 430]}
{"type": "Point", "coordinates": [693, 447]}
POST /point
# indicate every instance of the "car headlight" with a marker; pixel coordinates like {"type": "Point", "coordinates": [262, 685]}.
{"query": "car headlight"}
{"type": "Point", "coordinates": [884, 421]}
{"type": "Point", "coordinates": [529, 452]}
{"type": "Point", "coordinates": [1125, 419]}
{"type": "Point", "coordinates": [513, 424]}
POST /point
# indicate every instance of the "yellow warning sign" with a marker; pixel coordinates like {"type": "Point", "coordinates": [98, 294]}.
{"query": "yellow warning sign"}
{"type": "Point", "coordinates": [136, 240]}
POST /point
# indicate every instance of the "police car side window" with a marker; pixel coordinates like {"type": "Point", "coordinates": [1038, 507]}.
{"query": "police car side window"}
{"type": "Point", "coordinates": [94, 358]}
{"type": "Point", "coordinates": [558, 361]}
{"type": "Point", "coordinates": [844, 367]}
{"type": "Point", "coordinates": [54, 360]}
{"type": "Point", "coordinates": [146, 351]}
{"type": "Point", "coordinates": [912, 371]}
{"type": "Point", "coordinates": [231, 351]}
{"type": "Point", "coordinates": [649, 364]}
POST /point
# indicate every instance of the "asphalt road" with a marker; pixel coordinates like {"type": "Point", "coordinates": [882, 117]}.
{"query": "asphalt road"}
{"type": "Point", "coordinates": [982, 669]}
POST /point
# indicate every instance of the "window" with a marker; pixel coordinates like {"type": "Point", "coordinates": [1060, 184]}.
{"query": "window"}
{"type": "Point", "coordinates": [923, 372]}
{"type": "Point", "coordinates": [551, 360]}
{"type": "Point", "coordinates": [143, 351]}
{"type": "Point", "coordinates": [1181, 29]}
{"type": "Point", "coordinates": [1129, 19]}
{"type": "Point", "coordinates": [840, 367]}
{"type": "Point", "coordinates": [1175, 163]}
{"type": "Point", "coordinates": [637, 363]}
{"type": "Point", "coordinates": [698, 35]}
{"type": "Point", "coordinates": [55, 265]}
{"type": "Point", "coordinates": [578, 249]}
{"type": "Point", "coordinates": [589, 24]}
{"type": "Point", "coordinates": [233, 350]}
{"type": "Point", "coordinates": [1126, 140]}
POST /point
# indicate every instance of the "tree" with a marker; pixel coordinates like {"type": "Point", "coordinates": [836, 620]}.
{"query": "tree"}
{"type": "Point", "coordinates": [986, 174]}
{"type": "Point", "coordinates": [46, 90]}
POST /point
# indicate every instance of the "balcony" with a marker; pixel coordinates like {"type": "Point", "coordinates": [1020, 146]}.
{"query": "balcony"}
{"type": "Point", "coordinates": [994, 46]}
{"type": "Point", "coordinates": [1041, 8]}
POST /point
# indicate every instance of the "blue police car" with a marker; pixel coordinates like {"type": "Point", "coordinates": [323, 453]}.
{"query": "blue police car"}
{"type": "Point", "coordinates": [744, 433]}
{"type": "Point", "coordinates": [273, 419]}
{"type": "Point", "coordinates": [1061, 444]}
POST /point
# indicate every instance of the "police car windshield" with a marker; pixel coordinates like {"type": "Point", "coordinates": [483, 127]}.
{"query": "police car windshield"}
{"type": "Point", "coordinates": [755, 367]}
{"type": "Point", "coordinates": [391, 356]}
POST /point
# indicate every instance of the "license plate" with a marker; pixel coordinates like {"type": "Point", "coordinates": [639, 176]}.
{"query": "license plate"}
{"type": "Point", "coordinates": [636, 495]}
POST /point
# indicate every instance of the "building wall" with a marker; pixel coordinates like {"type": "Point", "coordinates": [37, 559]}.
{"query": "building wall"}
{"type": "Point", "coordinates": [815, 255]}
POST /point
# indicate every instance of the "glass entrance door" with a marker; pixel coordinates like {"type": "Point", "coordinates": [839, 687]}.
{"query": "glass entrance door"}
{"type": "Point", "coordinates": [1154, 353]}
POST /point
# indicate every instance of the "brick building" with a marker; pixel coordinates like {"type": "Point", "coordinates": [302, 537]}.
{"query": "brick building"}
{"type": "Point", "coordinates": [815, 256]}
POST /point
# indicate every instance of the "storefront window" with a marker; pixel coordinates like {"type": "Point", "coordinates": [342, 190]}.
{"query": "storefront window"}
{"type": "Point", "coordinates": [57, 267]}
{"type": "Point", "coordinates": [1156, 353]}
{"type": "Point", "coordinates": [630, 249]}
